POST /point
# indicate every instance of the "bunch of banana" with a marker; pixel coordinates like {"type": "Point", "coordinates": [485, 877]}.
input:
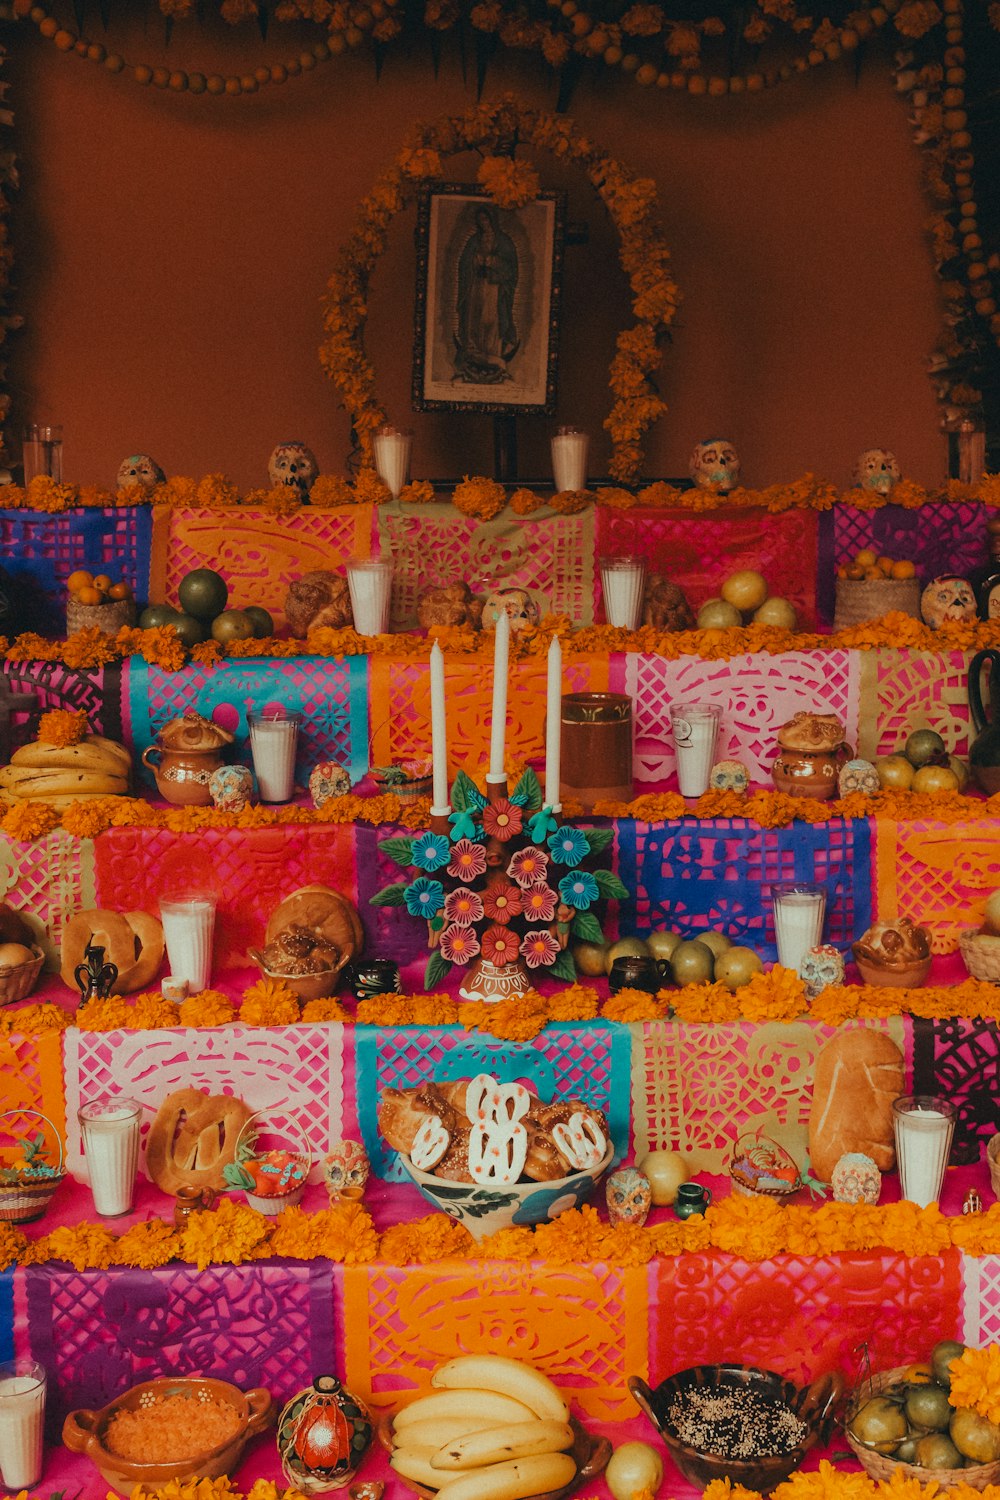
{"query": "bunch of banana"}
{"type": "Point", "coordinates": [61, 774]}
{"type": "Point", "coordinates": [494, 1429]}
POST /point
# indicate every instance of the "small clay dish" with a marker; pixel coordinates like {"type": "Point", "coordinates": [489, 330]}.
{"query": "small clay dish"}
{"type": "Point", "coordinates": [893, 976]}
{"type": "Point", "coordinates": [84, 1432]}
{"type": "Point", "coordinates": [306, 986]}
{"type": "Point", "coordinates": [590, 1454]}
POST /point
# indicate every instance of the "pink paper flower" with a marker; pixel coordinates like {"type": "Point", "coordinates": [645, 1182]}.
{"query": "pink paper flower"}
{"type": "Point", "coordinates": [463, 907]}
{"type": "Point", "coordinates": [467, 860]}
{"type": "Point", "coordinates": [528, 866]}
{"type": "Point", "coordinates": [539, 903]}
{"type": "Point", "coordinates": [500, 945]}
{"type": "Point", "coordinates": [501, 900]}
{"type": "Point", "coordinates": [539, 949]}
{"type": "Point", "coordinates": [502, 819]}
{"type": "Point", "coordinates": [459, 945]}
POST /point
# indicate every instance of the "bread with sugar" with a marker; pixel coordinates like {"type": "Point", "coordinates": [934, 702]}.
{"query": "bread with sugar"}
{"type": "Point", "coordinates": [858, 1075]}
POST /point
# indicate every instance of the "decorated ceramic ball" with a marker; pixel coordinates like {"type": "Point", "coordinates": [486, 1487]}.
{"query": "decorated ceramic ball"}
{"type": "Point", "coordinates": [729, 776]}
{"type": "Point", "coordinates": [327, 780]}
{"type": "Point", "coordinates": [856, 1179]}
{"type": "Point", "coordinates": [858, 776]}
{"type": "Point", "coordinates": [231, 788]}
{"type": "Point", "coordinates": [821, 966]}
{"type": "Point", "coordinates": [947, 598]}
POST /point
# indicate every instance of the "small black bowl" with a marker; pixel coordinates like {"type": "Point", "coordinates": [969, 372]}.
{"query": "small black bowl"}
{"type": "Point", "coordinates": [813, 1406]}
{"type": "Point", "coordinates": [372, 976]}
{"type": "Point", "coordinates": [634, 971]}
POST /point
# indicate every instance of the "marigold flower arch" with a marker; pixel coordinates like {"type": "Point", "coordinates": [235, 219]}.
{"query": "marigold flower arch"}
{"type": "Point", "coordinates": [494, 128]}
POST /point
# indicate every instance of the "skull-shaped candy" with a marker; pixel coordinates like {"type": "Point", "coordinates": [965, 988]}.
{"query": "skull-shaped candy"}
{"type": "Point", "coordinates": [293, 466]}
{"type": "Point", "coordinates": [140, 471]}
{"type": "Point", "coordinates": [876, 469]}
{"type": "Point", "coordinates": [328, 779]}
{"type": "Point", "coordinates": [629, 1196]}
{"type": "Point", "coordinates": [520, 606]}
{"type": "Point", "coordinates": [715, 465]}
{"type": "Point", "coordinates": [856, 1179]}
{"type": "Point", "coordinates": [345, 1171]}
{"type": "Point", "coordinates": [947, 598]}
{"type": "Point", "coordinates": [821, 966]}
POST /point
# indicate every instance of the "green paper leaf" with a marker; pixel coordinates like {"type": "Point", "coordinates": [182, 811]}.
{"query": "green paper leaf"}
{"type": "Point", "coordinates": [609, 885]}
{"type": "Point", "coordinates": [464, 793]}
{"type": "Point", "coordinates": [236, 1177]}
{"type": "Point", "coordinates": [528, 792]}
{"type": "Point", "coordinates": [399, 849]}
{"type": "Point", "coordinates": [564, 967]}
{"type": "Point", "coordinates": [437, 968]}
{"type": "Point", "coordinates": [597, 838]}
{"type": "Point", "coordinates": [587, 928]}
{"type": "Point", "coordinates": [391, 895]}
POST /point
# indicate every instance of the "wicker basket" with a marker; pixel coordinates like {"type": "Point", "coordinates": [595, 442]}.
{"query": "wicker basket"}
{"type": "Point", "coordinates": [862, 599]}
{"type": "Point", "coordinates": [981, 955]}
{"type": "Point", "coordinates": [273, 1204]}
{"type": "Point", "coordinates": [883, 1465]}
{"type": "Point", "coordinates": [108, 618]}
{"type": "Point", "coordinates": [407, 790]}
{"type": "Point", "coordinates": [764, 1154]}
{"type": "Point", "coordinates": [26, 1200]}
{"type": "Point", "coordinates": [18, 982]}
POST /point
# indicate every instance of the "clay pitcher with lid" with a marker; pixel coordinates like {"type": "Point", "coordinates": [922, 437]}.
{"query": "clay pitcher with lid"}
{"type": "Point", "coordinates": [984, 753]}
{"type": "Point", "coordinates": [189, 750]}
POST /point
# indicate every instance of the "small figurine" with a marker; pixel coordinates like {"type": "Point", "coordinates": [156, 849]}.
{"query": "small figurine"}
{"type": "Point", "coordinates": [231, 788]}
{"type": "Point", "coordinates": [715, 465]}
{"type": "Point", "coordinates": [821, 966]}
{"type": "Point", "coordinates": [140, 472]}
{"type": "Point", "coordinates": [346, 1170]}
{"type": "Point", "coordinates": [876, 469]}
{"type": "Point", "coordinates": [856, 1179]}
{"type": "Point", "coordinates": [729, 776]}
{"type": "Point", "coordinates": [972, 1203]}
{"type": "Point", "coordinates": [858, 776]}
{"type": "Point", "coordinates": [293, 466]}
{"type": "Point", "coordinates": [521, 608]}
{"type": "Point", "coordinates": [328, 780]}
{"type": "Point", "coordinates": [629, 1197]}
{"type": "Point", "coordinates": [947, 598]}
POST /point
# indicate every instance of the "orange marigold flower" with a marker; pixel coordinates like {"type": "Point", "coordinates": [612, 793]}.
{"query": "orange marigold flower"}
{"type": "Point", "coordinates": [270, 1002]}
{"type": "Point", "coordinates": [424, 1240]}
{"type": "Point", "coordinates": [62, 726]}
{"type": "Point", "coordinates": [207, 1008]}
{"type": "Point", "coordinates": [29, 820]}
{"type": "Point", "coordinates": [479, 497]}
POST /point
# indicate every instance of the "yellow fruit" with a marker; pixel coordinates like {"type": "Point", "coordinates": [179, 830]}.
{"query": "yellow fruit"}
{"type": "Point", "coordinates": [855, 572]}
{"type": "Point", "coordinates": [944, 1351]}
{"type": "Point", "coordinates": [231, 625]}
{"type": "Point", "coordinates": [627, 947]}
{"type": "Point", "coordinates": [666, 1171]}
{"type": "Point", "coordinates": [120, 591]}
{"type": "Point", "coordinates": [746, 590]}
{"type": "Point", "coordinates": [927, 1406]}
{"type": "Point", "coordinates": [991, 914]}
{"type": "Point", "coordinates": [776, 611]}
{"type": "Point", "coordinates": [717, 941]}
{"type": "Point", "coordinates": [896, 772]}
{"type": "Point", "coordinates": [903, 569]}
{"type": "Point", "coordinates": [89, 595]}
{"type": "Point", "coordinates": [917, 1374]}
{"type": "Point", "coordinates": [662, 943]}
{"type": "Point", "coordinates": [936, 1451]}
{"type": "Point", "coordinates": [81, 579]}
{"type": "Point", "coordinates": [880, 1424]}
{"type": "Point", "coordinates": [717, 614]}
{"type": "Point", "coordinates": [865, 558]}
{"type": "Point", "coordinates": [736, 967]}
{"type": "Point", "coordinates": [589, 958]}
{"type": "Point", "coordinates": [692, 963]}
{"type": "Point", "coordinates": [934, 780]}
{"type": "Point", "coordinates": [974, 1436]}
{"type": "Point", "coordinates": [102, 582]}
{"type": "Point", "coordinates": [885, 564]}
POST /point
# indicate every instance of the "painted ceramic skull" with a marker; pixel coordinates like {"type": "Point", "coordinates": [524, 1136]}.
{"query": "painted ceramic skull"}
{"type": "Point", "coordinates": [345, 1170]}
{"type": "Point", "coordinates": [327, 780]}
{"type": "Point", "coordinates": [715, 465]}
{"type": "Point", "coordinates": [856, 1179]}
{"type": "Point", "coordinates": [947, 598]}
{"type": "Point", "coordinates": [858, 776]}
{"type": "Point", "coordinates": [294, 466]}
{"type": "Point", "coordinates": [877, 469]}
{"type": "Point", "coordinates": [821, 966]}
{"type": "Point", "coordinates": [629, 1197]}
{"type": "Point", "coordinates": [521, 609]}
{"type": "Point", "coordinates": [139, 470]}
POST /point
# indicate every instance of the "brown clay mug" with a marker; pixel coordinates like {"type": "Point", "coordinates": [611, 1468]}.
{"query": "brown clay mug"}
{"type": "Point", "coordinates": [637, 972]}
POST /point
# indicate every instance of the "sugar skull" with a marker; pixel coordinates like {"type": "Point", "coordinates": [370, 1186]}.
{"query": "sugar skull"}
{"type": "Point", "coordinates": [876, 469]}
{"type": "Point", "coordinates": [729, 776]}
{"type": "Point", "coordinates": [715, 465]}
{"type": "Point", "coordinates": [629, 1197]}
{"type": "Point", "coordinates": [141, 472]}
{"type": "Point", "coordinates": [856, 1179]}
{"type": "Point", "coordinates": [345, 1170]}
{"type": "Point", "coordinates": [293, 466]}
{"type": "Point", "coordinates": [821, 966]}
{"type": "Point", "coordinates": [231, 788]}
{"type": "Point", "coordinates": [327, 780]}
{"type": "Point", "coordinates": [947, 598]}
{"type": "Point", "coordinates": [858, 776]}
{"type": "Point", "coordinates": [521, 609]}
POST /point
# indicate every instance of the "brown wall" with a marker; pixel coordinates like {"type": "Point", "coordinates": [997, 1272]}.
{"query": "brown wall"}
{"type": "Point", "coordinates": [172, 252]}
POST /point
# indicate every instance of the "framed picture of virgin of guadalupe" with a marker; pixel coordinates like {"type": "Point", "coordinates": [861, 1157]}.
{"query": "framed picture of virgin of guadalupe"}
{"type": "Point", "coordinates": [487, 303]}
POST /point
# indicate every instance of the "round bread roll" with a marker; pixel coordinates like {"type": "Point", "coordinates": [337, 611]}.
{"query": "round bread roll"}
{"type": "Point", "coordinates": [815, 732]}
{"type": "Point", "coordinates": [132, 941]}
{"type": "Point", "coordinates": [13, 955]}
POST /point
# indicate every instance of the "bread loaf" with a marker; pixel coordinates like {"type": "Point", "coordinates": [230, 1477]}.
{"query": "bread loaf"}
{"type": "Point", "coordinates": [858, 1075]}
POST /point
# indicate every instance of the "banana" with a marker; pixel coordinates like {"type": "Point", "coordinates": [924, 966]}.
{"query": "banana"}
{"type": "Point", "coordinates": [512, 1481]}
{"type": "Point", "coordinates": [415, 1465]}
{"type": "Point", "coordinates": [489, 1407]}
{"type": "Point", "coordinates": [499, 1444]}
{"type": "Point", "coordinates": [26, 781]}
{"type": "Point", "coordinates": [508, 1377]}
{"type": "Point", "coordinates": [93, 753]}
{"type": "Point", "coordinates": [435, 1433]}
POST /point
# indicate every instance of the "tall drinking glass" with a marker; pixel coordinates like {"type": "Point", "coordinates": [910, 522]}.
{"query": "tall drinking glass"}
{"type": "Point", "coordinates": [622, 582]}
{"type": "Point", "coordinates": [923, 1125]}
{"type": "Point", "coordinates": [42, 452]}
{"type": "Point", "coordinates": [188, 929]}
{"type": "Point", "coordinates": [569, 459]}
{"type": "Point", "coordinates": [392, 457]}
{"type": "Point", "coordinates": [110, 1129]}
{"type": "Point", "coordinates": [696, 734]}
{"type": "Point", "coordinates": [273, 740]}
{"type": "Point", "coordinates": [799, 909]}
{"type": "Point", "coordinates": [370, 584]}
{"type": "Point", "coordinates": [22, 1422]}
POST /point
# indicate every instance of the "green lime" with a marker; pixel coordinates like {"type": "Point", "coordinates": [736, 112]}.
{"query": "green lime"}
{"type": "Point", "coordinates": [263, 625]}
{"type": "Point", "coordinates": [928, 1406]}
{"type": "Point", "coordinates": [937, 1451]}
{"type": "Point", "coordinates": [203, 593]}
{"type": "Point", "coordinates": [692, 963]}
{"type": "Point", "coordinates": [736, 967]}
{"type": "Point", "coordinates": [974, 1436]}
{"type": "Point", "coordinates": [190, 630]}
{"type": "Point", "coordinates": [879, 1424]}
{"type": "Point", "coordinates": [925, 747]}
{"type": "Point", "coordinates": [232, 625]}
{"type": "Point", "coordinates": [156, 616]}
{"type": "Point", "coordinates": [717, 941]}
{"type": "Point", "coordinates": [941, 1357]}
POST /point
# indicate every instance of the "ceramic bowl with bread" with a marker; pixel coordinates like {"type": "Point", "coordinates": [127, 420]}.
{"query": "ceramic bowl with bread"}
{"type": "Point", "coordinates": [858, 1074]}
{"type": "Point", "coordinates": [895, 955]}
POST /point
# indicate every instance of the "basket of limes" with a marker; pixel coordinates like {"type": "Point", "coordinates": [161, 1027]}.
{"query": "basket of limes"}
{"type": "Point", "coordinates": [903, 1421]}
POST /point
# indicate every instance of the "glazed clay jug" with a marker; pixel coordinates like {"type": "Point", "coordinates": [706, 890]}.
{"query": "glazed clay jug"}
{"type": "Point", "coordinates": [984, 754]}
{"type": "Point", "coordinates": [323, 1435]}
{"type": "Point", "coordinates": [190, 749]}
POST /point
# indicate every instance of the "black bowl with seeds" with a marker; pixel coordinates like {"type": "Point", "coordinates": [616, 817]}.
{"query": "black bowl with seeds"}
{"type": "Point", "coordinates": [737, 1422]}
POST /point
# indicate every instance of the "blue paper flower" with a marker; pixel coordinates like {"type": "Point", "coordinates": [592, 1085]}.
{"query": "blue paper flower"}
{"type": "Point", "coordinates": [569, 846]}
{"type": "Point", "coordinates": [464, 825]}
{"type": "Point", "coordinates": [423, 897]}
{"type": "Point", "coordinates": [430, 851]}
{"type": "Point", "coordinates": [541, 824]}
{"type": "Point", "coordinates": [578, 890]}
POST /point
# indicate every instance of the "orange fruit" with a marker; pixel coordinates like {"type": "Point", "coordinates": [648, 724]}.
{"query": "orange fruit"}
{"type": "Point", "coordinates": [120, 591]}
{"type": "Point", "coordinates": [855, 571]}
{"type": "Point", "coordinates": [885, 563]}
{"type": "Point", "coordinates": [873, 573]}
{"type": "Point", "coordinates": [81, 579]}
{"type": "Point", "coordinates": [842, 571]}
{"type": "Point", "coordinates": [866, 558]}
{"type": "Point", "coordinates": [89, 595]}
{"type": "Point", "coordinates": [903, 569]}
{"type": "Point", "coordinates": [102, 582]}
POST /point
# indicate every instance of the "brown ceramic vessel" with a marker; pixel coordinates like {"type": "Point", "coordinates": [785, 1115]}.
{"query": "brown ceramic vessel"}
{"type": "Point", "coordinates": [189, 749]}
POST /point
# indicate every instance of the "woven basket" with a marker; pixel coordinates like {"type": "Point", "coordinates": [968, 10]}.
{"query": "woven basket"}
{"type": "Point", "coordinates": [273, 1204]}
{"type": "Point", "coordinates": [981, 956]}
{"type": "Point", "coordinates": [18, 982]}
{"type": "Point", "coordinates": [883, 1465]}
{"type": "Point", "coordinates": [406, 791]}
{"type": "Point", "coordinates": [23, 1202]}
{"type": "Point", "coordinates": [763, 1152]}
{"type": "Point", "coordinates": [861, 599]}
{"type": "Point", "coordinates": [108, 618]}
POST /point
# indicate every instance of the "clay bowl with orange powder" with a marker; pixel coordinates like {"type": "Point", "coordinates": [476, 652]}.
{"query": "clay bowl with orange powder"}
{"type": "Point", "coordinates": [184, 1428]}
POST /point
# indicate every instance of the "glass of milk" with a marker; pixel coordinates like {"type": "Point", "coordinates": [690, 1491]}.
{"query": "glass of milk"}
{"type": "Point", "coordinates": [923, 1125]}
{"type": "Point", "coordinates": [799, 909]}
{"type": "Point", "coordinates": [392, 457]}
{"type": "Point", "coordinates": [696, 734]}
{"type": "Point", "coordinates": [109, 1126]}
{"type": "Point", "coordinates": [188, 929]}
{"type": "Point", "coordinates": [623, 581]}
{"type": "Point", "coordinates": [22, 1422]}
{"type": "Point", "coordinates": [273, 741]}
{"type": "Point", "coordinates": [370, 583]}
{"type": "Point", "coordinates": [569, 459]}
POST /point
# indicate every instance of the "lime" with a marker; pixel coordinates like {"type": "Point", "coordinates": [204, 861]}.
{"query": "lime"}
{"type": "Point", "coordinates": [203, 593]}
{"type": "Point", "coordinates": [232, 625]}
{"type": "Point", "coordinates": [746, 589]}
{"type": "Point", "coordinates": [937, 1451]}
{"type": "Point", "coordinates": [974, 1436]}
{"type": "Point", "coordinates": [880, 1424]}
{"type": "Point", "coordinates": [692, 963]}
{"type": "Point", "coordinates": [589, 959]}
{"type": "Point", "coordinates": [717, 941]}
{"type": "Point", "coordinates": [925, 746]}
{"type": "Point", "coordinates": [736, 967]}
{"type": "Point", "coordinates": [928, 1406]}
{"type": "Point", "coordinates": [716, 614]}
{"type": "Point", "coordinates": [626, 947]}
{"type": "Point", "coordinates": [263, 625]}
{"type": "Point", "coordinates": [190, 630]}
{"type": "Point", "coordinates": [156, 616]}
{"type": "Point", "coordinates": [941, 1357]}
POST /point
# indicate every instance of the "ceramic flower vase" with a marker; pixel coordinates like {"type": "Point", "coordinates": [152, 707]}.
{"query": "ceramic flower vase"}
{"type": "Point", "coordinates": [323, 1435]}
{"type": "Point", "coordinates": [489, 982]}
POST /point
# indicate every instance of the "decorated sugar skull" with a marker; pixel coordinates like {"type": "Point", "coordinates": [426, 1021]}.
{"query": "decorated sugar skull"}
{"type": "Point", "coordinates": [858, 776]}
{"type": "Point", "coordinates": [520, 606]}
{"type": "Point", "coordinates": [715, 465]}
{"type": "Point", "coordinates": [345, 1170]}
{"type": "Point", "coordinates": [328, 780]}
{"type": "Point", "coordinates": [856, 1179]}
{"type": "Point", "coordinates": [821, 966]}
{"type": "Point", "coordinates": [231, 788]}
{"type": "Point", "coordinates": [877, 469]}
{"type": "Point", "coordinates": [947, 598]}
{"type": "Point", "coordinates": [140, 471]}
{"type": "Point", "coordinates": [294, 466]}
{"type": "Point", "coordinates": [629, 1197]}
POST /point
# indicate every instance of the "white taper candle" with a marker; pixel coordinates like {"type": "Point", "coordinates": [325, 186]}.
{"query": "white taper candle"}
{"type": "Point", "coordinates": [439, 733]}
{"type": "Point", "coordinates": [553, 725]}
{"type": "Point", "coordinates": [498, 727]}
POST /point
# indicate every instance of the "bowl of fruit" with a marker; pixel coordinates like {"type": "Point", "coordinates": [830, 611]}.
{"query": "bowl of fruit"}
{"type": "Point", "coordinates": [869, 586]}
{"type": "Point", "coordinates": [97, 599]}
{"type": "Point", "coordinates": [903, 1421]}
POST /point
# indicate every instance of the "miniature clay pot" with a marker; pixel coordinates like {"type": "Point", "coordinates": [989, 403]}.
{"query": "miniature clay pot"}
{"type": "Point", "coordinates": [323, 1435]}
{"type": "Point", "coordinates": [190, 749]}
{"type": "Point", "coordinates": [808, 773]}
